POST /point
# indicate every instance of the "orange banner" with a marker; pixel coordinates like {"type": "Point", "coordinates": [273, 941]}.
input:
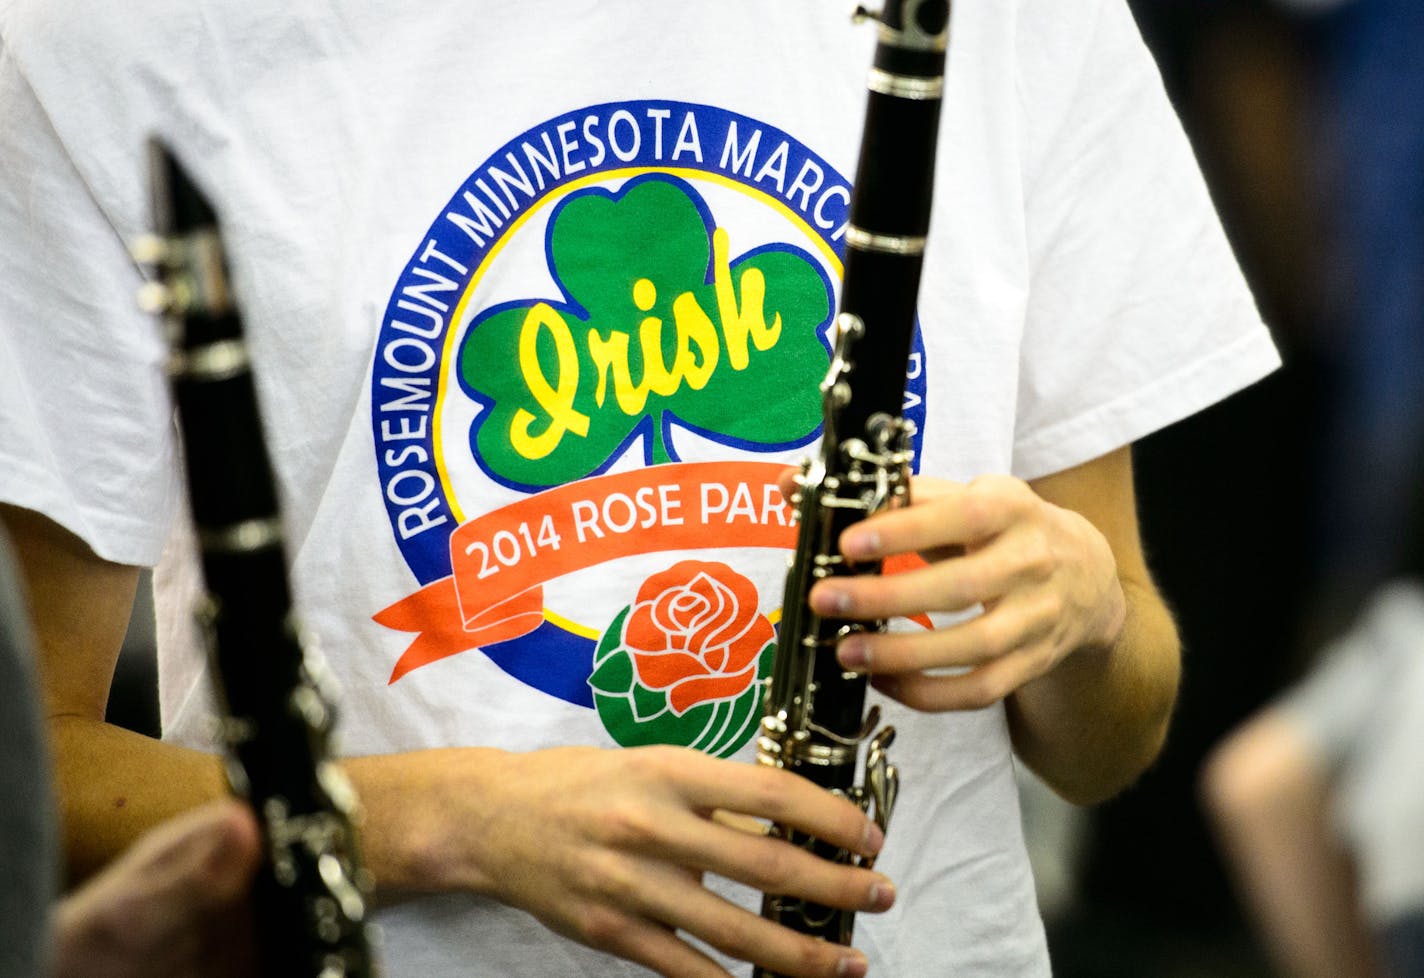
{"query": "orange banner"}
{"type": "Point", "coordinates": [500, 561]}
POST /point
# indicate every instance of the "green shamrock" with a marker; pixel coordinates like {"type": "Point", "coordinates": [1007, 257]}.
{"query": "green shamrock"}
{"type": "Point", "coordinates": [659, 326]}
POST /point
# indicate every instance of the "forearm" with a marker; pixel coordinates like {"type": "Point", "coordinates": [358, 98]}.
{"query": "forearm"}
{"type": "Point", "coordinates": [114, 785]}
{"type": "Point", "coordinates": [1095, 722]}
{"type": "Point", "coordinates": [407, 836]}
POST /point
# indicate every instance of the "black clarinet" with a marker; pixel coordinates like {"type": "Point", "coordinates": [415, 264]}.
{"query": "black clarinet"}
{"type": "Point", "coordinates": [309, 899]}
{"type": "Point", "coordinates": [815, 721]}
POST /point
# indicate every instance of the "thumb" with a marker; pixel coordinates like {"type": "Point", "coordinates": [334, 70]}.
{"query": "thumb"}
{"type": "Point", "coordinates": [196, 861]}
{"type": "Point", "coordinates": [219, 846]}
{"type": "Point", "coordinates": [151, 903]}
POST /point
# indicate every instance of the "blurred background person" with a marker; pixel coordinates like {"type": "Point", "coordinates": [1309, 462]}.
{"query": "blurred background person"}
{"type": "Point", "coordinates": [1319, 806]}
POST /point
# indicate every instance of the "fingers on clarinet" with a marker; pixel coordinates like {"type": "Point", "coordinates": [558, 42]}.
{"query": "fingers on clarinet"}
{"type": "Point", "coordinates": [776, 866]}
{"type": "Point", "coordinates": [649, 944]}
{"type": "Point", "coordinates": [973, 690]}
{"type": "Point", "coordinates": [787, 481]}
{"type": "Point", "coordinates": [770, 865]}
{"type": "Point", "coordinates": [955, 585]}
{"type": "Point", "coordinates": [663, 908]}
{"type": "Point", "coordinates": [902, 653]}
{"type": "Point", "coordinates": [946, 514]}
{"type": "Point", "coordinates": [780, 796]}
{"type": "Point", "coordinates": [748, 937]}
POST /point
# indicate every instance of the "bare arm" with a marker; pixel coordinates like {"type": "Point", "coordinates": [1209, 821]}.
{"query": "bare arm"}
{"type": "Point", "coordinates": [104, 776]}
{"type": "Point", "coordinates": [1074, 636]}
{"type": "Point", "coordinates": [1099, 718]}
{"type": "Point", "coordinates": [606, 847]}
{"type": "Point", "coordinates": [1268, 798]}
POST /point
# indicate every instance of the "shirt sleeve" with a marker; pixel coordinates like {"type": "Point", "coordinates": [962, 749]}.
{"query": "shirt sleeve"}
{"type": "Point", "coordinates": [1355, 697]}
{"type": "Point", "coordinates": [1138, 314]}
{"type": "Point", "coordinates": [85, 423]}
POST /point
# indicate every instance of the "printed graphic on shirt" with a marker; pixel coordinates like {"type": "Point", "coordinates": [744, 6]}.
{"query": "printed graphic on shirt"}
{"type": "Point", "coordinates": [589, 378]}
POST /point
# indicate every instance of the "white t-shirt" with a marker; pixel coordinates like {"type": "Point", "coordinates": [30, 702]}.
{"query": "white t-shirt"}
{"type": "Point", "coordinates": [456, 231]}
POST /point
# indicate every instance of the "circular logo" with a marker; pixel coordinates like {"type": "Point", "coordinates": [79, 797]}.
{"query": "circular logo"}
{"type": "Point", "coordinates": [588, 379]}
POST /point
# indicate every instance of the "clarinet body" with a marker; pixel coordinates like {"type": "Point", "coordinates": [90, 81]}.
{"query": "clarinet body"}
{"type": "Point", "coordinates": [309, 899]}
{"type": "Point", "coordinates": [815, 721]}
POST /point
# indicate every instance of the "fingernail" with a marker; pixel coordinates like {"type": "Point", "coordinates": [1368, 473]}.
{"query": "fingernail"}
{"type": "Point", "coordinates": [220, 848]}
{"type": "Point", "coordinates": [854, 653]}
{"type": "Point", "coordinates": [872, 840]}
{"type": "Point", "coordinates": [229, 845]}
{"type": "Point", "coordinates": [853, 965]}
{"type": "Point", "coordinates": [882, 896]}
{"type": "Point", "coordinates": [831, 601]}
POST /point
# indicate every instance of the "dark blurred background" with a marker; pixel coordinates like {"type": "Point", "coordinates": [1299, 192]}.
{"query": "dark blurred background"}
{"type": "Point", "coordinates": [1271, 516]}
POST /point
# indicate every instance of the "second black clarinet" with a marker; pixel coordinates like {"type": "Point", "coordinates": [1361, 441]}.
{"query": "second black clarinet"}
{"type": "Point", "coordinates": [310, 896]}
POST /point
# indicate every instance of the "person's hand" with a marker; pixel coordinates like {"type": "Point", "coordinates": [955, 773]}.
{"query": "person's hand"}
{"type": "Point", "coordinates": [173, 906]}
{"type": "Point", "coordinates": [609, 847]}
{"type": "Point", "coordinates": [1044, 576]}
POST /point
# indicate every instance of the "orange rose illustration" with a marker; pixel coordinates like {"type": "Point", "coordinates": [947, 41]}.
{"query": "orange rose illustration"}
{"type": "Point", "coordinates": [695, 632]}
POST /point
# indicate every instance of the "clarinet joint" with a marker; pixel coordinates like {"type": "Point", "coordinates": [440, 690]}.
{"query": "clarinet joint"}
{"type": "Point", "coordinates": [911, 25]}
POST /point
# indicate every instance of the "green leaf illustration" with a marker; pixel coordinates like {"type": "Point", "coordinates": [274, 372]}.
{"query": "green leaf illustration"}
{"type": "Point", "coordinates": [614, 675]}
{"type": "Point", "coordinates": [636, 716]}
{"type": "Point", "coordinates": [648, 704]}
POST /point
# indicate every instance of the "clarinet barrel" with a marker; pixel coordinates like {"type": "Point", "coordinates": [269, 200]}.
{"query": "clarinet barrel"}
{"type": "Point", "coordinates": [309, 900]}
